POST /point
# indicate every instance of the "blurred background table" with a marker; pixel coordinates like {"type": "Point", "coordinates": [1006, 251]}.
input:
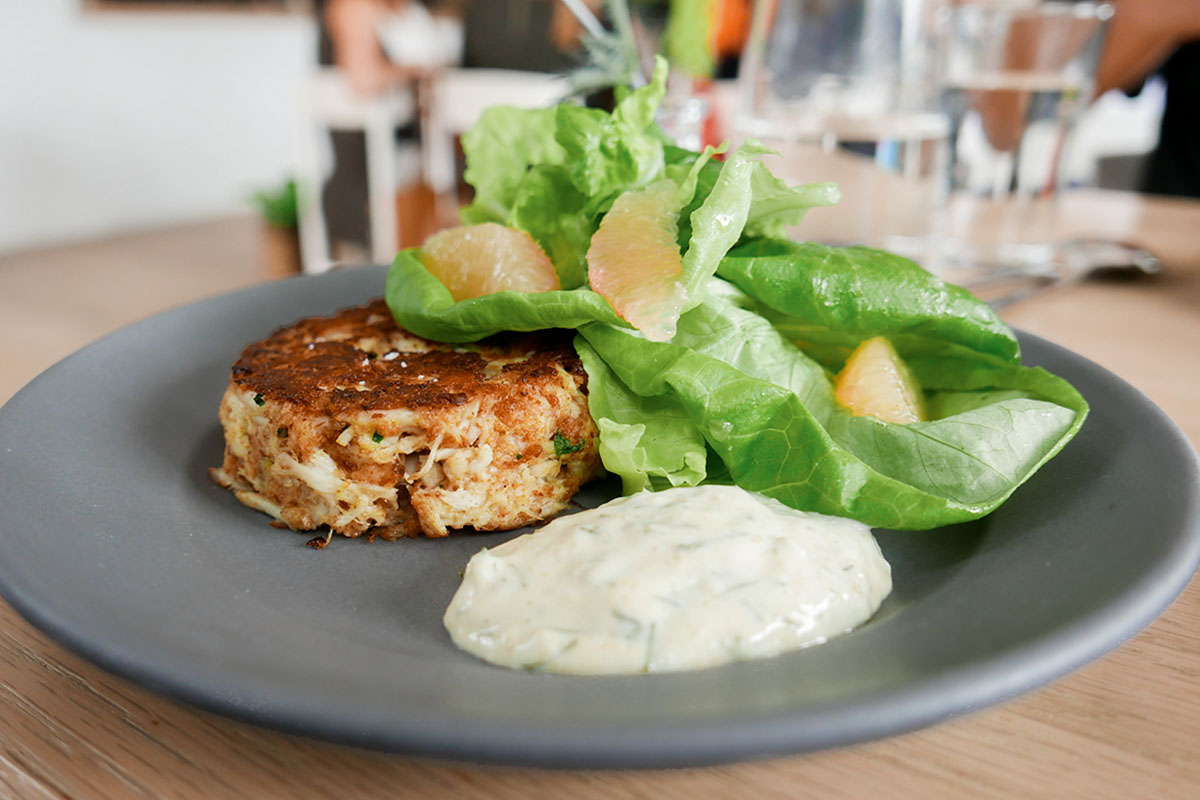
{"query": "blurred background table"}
{"type": "Point", "coordinates": [1127, 725]}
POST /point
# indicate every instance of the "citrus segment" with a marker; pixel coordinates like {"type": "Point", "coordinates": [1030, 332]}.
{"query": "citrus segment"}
{"type": "Point", "coordinates": [475, 260]}
{"type": "Point", "coordinates": [877, 383]}
{"type": "Point", "coordinates": [634, 261]}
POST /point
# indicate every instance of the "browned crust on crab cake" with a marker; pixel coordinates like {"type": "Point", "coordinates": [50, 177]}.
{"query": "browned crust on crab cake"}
{"type": "Point", "coordinates": [352, 422]}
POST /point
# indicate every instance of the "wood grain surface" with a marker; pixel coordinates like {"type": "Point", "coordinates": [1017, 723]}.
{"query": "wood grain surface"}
{"type": "Point", "coordinates": [1127, 725]}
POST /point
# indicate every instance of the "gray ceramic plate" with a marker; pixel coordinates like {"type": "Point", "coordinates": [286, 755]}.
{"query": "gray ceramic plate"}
{"type": "Point", "coordinates": [113, 540]}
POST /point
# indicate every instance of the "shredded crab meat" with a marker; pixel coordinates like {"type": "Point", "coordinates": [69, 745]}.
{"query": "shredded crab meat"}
{"type": "Point", "coordinates": [406, 469]}
{"type": "Point", "coordinates": [430, 460]}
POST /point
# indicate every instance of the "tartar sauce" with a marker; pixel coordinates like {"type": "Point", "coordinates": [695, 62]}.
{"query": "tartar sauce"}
{"type": "Point", "coordinates": [675, 580]}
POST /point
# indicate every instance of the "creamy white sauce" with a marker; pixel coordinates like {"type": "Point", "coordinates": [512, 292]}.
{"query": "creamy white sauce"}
{"type": "Point", "coordinates": [675, 580]}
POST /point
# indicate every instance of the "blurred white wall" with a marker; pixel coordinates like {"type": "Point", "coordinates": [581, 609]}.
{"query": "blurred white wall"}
{"type": "Point", "coordinates": [121, 120]}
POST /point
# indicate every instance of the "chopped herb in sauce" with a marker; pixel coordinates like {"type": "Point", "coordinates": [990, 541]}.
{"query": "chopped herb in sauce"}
{"type": "Point", "coordinates": [282, 433]}
{"type": "Point", "coordinates": [376, 437]}
{"type": "Point", "coordinates": [564, 446]}
{"type": "Point", "coordinates": [259, 401]}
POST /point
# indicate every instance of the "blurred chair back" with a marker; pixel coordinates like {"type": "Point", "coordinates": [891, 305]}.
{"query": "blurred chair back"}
{"type": "Point", "coordinates": [330, 104]}
{"type": "Point", "coordinates": [459, 96]}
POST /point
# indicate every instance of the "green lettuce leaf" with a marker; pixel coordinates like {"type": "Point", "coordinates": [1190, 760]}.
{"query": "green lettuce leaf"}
{"type": "Point", "coordinates": [777, 206]}
{"type": "Point", "coordinates": [421, 304]}
{"type": "Point", "coordinates": [607, 154]}
{"type": "Point", "coordinates": [828, 299]}
{"type": "Point", "coordinates": [706, 171]}
{"type": "Point", "coordinates": [737, 195]}
{"type": "Point", "coordinates": [500, 149]}
{"type": "Point", "coordinates": [687, 172]}
{"type": "Point", "coordinates": [549, 207]}
{"type": "Point", "coordinates": [717, 223]}
{"type": "Point", "coordinates": [774, 205]}
{"type": "Point", "coordinates": [650, 442]}
{"type": "Point", "coordinates": [766, 410]}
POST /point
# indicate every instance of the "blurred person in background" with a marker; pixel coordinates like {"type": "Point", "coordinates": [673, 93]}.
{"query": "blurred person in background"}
{"type": "Point", "coordinates": [1163, 36]}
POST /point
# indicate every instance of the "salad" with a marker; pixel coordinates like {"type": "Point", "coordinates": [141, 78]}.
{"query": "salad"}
{"type": "Point", "coordinates": [724, 372]}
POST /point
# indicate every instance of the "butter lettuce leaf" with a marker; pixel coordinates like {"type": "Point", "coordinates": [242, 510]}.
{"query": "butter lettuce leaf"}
{"type": "Point", "coordinates": [500, 149]}
{"type": "Point", "coordinates": [650, 442]}
{"type": "Point", "coordinates": [766, 410]}
{"type": "Point", "coordinates": [828, 299]}
{"type": "Point", "coordinates": [421, 304]}
{"type": "Point", "coordinates": [774, 205]}
{"type": "Point", "coordinates": [607, 154]}
{"type": "Point", "coordinates": [777, 206]}
{"type": "Point", "coordinates": [737, 196]}
{"type": "Point", "coordinates": [549, 207]}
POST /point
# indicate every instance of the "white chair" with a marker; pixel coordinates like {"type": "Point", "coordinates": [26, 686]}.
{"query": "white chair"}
{"type": "Point", "coordinates": [330, 104]}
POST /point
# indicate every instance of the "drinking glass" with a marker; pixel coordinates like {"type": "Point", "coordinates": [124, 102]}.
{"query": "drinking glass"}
{"type": "Point", "coordinates": [846, 91]}
{"type": "Point", "coordinates": [1015, 76]}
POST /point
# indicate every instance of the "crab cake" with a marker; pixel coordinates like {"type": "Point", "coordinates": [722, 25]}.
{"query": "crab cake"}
{"type": "Point", "coordinates": [352, 422]}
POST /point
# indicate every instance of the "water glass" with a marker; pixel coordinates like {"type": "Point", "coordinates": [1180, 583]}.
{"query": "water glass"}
{"type": "Point", "coordinates": [846, 91]}
{"type": "Point", "coordinates": [1015, 76]}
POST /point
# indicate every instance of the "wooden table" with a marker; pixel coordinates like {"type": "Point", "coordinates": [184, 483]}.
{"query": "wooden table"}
{"type": "Point", "coordinates": [1128, 725]}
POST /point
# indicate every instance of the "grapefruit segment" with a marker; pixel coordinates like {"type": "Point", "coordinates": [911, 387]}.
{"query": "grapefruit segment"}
{"type": "Point", "coordinates": [634, 261]}
{"type": "Point", "coordinates": [475, 260]}
{"type": "Point", "coordinates": [877, 383]}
